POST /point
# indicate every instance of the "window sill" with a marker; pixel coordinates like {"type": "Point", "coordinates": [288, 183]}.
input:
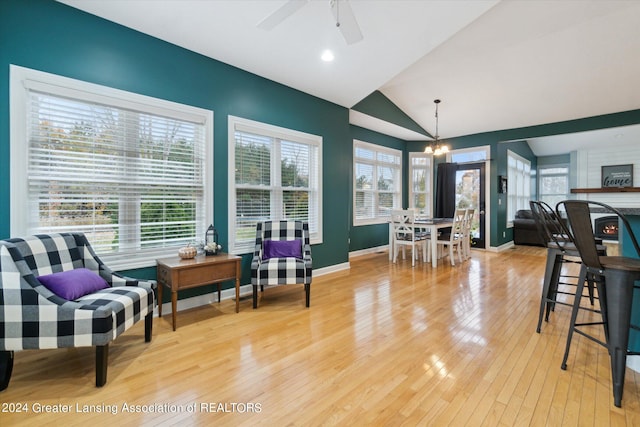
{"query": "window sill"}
{"type": "Point", "coordinates": [135, 261]}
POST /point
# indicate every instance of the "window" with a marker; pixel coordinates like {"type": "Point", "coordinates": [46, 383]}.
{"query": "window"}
{"type": "Point", "coordinates": [469, 155]}
{"type": "Point", "coordinates": [274, 173]}
{"type": "Point", "coordinates": [420, 174]}
{"type": "Point", "coordinates": [129, 171]}
{"type": "Point", "coordinates": [518, 185]}
{"type": "Point", "coordinates": [377, 182]}
{"type": "Point", "coordinates": [553, 184]}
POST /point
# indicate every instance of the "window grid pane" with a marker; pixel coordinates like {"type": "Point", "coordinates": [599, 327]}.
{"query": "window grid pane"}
{"type": "Point", "coordinates": [553, 184]}
{"type": "Point", "coordinates": [276, 177]}
{"type": "Point", "coordinates": [420, 182]}
{"type": "Point", "coordinates": [519, 184]}
{"type": "Point", "coordinates": [377, 183]}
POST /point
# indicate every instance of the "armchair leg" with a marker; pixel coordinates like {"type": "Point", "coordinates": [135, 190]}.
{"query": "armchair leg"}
{"type": "Point", "coordinates": [102, 357]}
{"type": "Point", "coordinates": [6, 368]}
{"type": "Point", "coordinates": [307, 291]}
{"type": "Point", "coordinates": [148, 327]}
{"type": "Point", "coordinates": [255, 296]}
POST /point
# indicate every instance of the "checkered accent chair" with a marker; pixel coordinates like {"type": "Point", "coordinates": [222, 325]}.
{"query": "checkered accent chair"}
{"type": "Point", "coordinates": [281, 271]}
{"type": "Point", "coordinates": [33, 317]}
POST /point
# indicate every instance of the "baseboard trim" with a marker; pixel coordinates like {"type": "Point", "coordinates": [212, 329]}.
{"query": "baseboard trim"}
{"type": "Point", "coordinates": [369, 251]}
{"type": "Point", "coordinates": [502, 247]}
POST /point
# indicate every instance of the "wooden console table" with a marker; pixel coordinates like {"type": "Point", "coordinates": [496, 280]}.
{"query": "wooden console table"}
{"type": "Point", "coordinates": [178, 274]}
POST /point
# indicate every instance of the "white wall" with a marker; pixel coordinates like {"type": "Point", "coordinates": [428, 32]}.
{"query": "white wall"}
{"type": "Point", "coordinates": [588, 171]}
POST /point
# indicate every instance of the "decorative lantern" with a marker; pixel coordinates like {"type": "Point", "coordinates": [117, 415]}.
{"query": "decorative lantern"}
{"type": "Point", "coordinates": [211, 241]}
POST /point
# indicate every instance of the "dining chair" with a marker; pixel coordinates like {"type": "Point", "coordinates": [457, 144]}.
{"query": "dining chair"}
{"type": "Point", "coordinates": [466, 242]}
{"type": "Point", "coordinates": [614, 277]}
{"type": "Point", "coordinates": [561, 251]}
{"type": "Point", "coordinates": [407, 234]}
{"type": "Point", "coordinates": [453, 240]}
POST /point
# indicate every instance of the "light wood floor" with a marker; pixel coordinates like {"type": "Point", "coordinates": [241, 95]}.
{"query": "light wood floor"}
{"type": "Point", "coordinates": [382, 344]}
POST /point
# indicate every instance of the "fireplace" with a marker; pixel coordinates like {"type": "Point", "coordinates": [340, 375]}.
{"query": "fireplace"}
{"type": "Point", "coordinates": [606, 227]}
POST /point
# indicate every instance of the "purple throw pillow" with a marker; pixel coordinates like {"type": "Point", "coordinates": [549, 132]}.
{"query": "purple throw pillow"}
{"type": "Point", "coordinates": [73, 284]}
{"type": "Point", "coordinates": [282, 249]}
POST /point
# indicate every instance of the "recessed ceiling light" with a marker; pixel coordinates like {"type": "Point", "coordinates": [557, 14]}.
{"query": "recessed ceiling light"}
{"type": "Point", "coordinates": [327, 56]}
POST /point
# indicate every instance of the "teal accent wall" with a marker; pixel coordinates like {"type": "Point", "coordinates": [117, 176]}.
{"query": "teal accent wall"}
{"type": "Point", "coordinates": [629, 250]}
{"type": "Point", "coordinates": [49, 36]}
{"type": "Point", "coordinates": [379, 106]}
{"type": "Point", "coordinates": [560, 159]}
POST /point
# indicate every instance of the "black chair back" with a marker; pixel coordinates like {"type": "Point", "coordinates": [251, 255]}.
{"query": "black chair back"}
{"type": "Point", "coordinates": [579, 217]}
{"type": "Point", "coordinates": [549, 224]}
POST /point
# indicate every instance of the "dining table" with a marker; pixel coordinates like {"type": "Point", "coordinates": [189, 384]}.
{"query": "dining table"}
{"type": "Point", "coordinates": [432, 225]}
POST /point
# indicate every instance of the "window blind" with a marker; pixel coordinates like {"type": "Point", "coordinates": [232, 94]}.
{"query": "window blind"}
{"type": "Point", "coordinates": [518, 184]}
{"type": "Point", "coordinates": [277, 176]}
{"type": "Point", "coordinates": [420, 182]}
{"type": "Point", "coordinates": [377, 182]}
{"type": "Point", "coordinates": [131, 180]}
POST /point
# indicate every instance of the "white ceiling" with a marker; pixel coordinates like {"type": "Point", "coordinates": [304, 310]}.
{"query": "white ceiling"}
{"type": "Point", "coordinates": [495, 64]}
{"type": "Point", "coordinates": [626, 137]}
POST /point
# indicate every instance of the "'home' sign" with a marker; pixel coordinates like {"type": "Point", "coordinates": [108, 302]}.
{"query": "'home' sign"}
{"type": "Point", "coordinates": [617, 176]}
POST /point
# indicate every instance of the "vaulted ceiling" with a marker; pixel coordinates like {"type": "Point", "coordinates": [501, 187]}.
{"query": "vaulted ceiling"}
{"type": "Point", "coordinates": [495, 64]}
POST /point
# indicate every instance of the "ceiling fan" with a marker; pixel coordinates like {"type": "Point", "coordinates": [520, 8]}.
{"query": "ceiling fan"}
{"type": "Point", "coordinates": [340, 9]}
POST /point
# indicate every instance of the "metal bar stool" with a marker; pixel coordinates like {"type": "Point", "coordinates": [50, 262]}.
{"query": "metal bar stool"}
{"type": "Point", "coordinates": [560, 250]}
{"type": "Point", "coordinates": [615, 278]}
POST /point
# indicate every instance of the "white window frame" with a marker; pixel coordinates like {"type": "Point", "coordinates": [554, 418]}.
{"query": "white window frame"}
{"type": "Point", "coordinates": [22, 80]}
{"type": "Point", "coordinates": [470, 155]}
{"type": "Point", "coordinates": [278, 133]}
{"type": "Point", "coordinates": [552, 198]}
{"type": "Point", "coordinates": [518, 185]}
{"type": "Point", "coordinates": [428, 192]}
{"type": "Point", "coordinates": [375, 163]}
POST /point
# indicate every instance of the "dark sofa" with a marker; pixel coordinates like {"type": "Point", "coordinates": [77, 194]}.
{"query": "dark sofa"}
{"type": "Point", "coordinates": [525, 231]}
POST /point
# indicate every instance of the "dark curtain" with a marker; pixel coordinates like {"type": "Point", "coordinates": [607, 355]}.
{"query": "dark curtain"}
{"type": "Point", "coordinates": [446, 190]}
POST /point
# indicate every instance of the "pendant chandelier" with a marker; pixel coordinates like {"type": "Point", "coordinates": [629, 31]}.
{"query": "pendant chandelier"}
{"type": "Point", "coordinates": [435, 147]}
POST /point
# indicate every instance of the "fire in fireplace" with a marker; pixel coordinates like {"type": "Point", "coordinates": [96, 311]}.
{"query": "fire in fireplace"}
{"type": "Point", "coordinates": [606, 228]}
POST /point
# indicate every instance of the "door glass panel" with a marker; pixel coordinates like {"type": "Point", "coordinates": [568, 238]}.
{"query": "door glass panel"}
{"type": "Point", "coordinates": [468, 195]}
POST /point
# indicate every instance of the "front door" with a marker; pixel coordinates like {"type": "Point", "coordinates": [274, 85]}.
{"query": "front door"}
{"type": "Point", "coordinates": [470, 194]}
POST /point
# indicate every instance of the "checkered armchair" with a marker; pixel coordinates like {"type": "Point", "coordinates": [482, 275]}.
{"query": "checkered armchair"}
{"type": "Point", "coordinates": [33, 317]}
{"type": "Point", "coordinates": [287, 261]}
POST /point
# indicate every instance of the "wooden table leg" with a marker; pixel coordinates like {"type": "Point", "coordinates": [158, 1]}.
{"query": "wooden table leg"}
{"type": "Point", "coordinates": [237, 286]}
{"type": "Point", "coordinates": [174, 307]}
{"type": "Point", "coordinates": [160, 286]}
{"type": "Point", "coordinates": [434, 247]}
{"type": "Point", "coordinates": [237, 295]}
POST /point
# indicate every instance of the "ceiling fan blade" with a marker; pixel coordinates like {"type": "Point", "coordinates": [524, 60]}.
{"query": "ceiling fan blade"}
{"type": "Point", "coordinates": [346, 21]}
{"type": "Point", "coordinates": [282, 13]}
